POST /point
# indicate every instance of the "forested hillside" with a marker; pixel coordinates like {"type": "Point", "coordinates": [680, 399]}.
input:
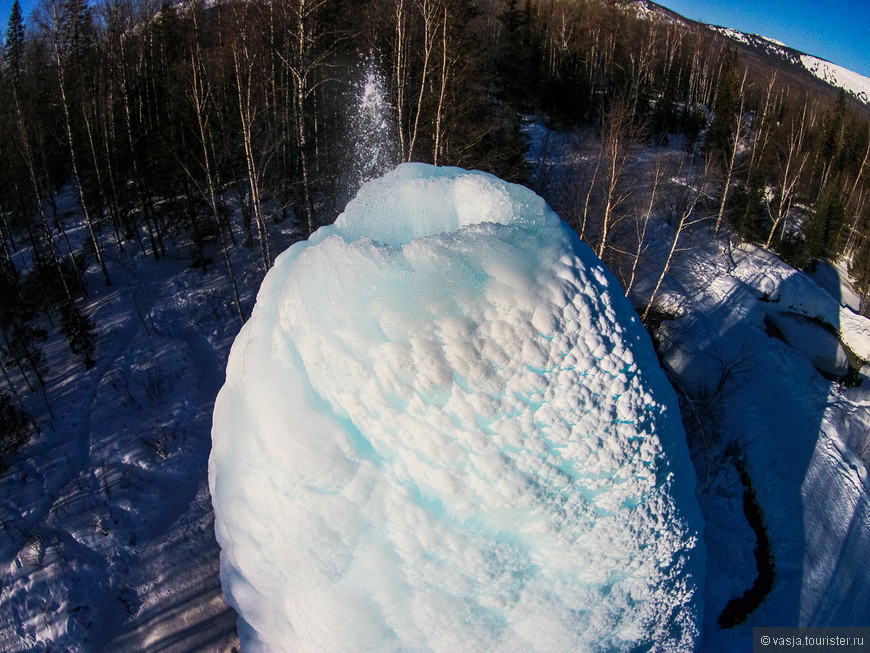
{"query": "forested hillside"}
{"type": "Point", "coordinates": [207, 136]}
{"type": "Point", "coordinates": [163, 120]}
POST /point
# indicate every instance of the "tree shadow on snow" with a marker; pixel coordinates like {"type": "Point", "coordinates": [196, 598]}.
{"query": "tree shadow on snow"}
{"type": "Point", "coordinates": [785, 540]}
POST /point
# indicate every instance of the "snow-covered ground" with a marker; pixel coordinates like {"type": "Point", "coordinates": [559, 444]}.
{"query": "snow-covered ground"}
{"type": "Point", "coordinates": [753, 344]}
{"type": "Point", "coordinates": [106, 538]}
{"type": "Point", "coordinates": [801, 439]}
{"type": "Point", "coordinates": [106, 524]}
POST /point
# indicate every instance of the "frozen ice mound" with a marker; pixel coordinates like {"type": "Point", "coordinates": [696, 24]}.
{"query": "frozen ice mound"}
{"type": "Point", "coordinates": [445, 429]}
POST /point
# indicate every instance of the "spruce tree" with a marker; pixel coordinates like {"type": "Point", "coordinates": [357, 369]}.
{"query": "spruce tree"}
{"type": "Point", "coordinates": [78, 34]}
{"type": "Point", "coordinates": [829, 136]}
{"type": "Point", "coordinates": [14, 48]}
{"type": "Point", "coordinates": [823, 228]}
{"type": "Point", "coordinates": [80, 333]}
{"type": "Point", "coordinates": [828, 145]}
{"type": "Point", "coordinates": [725, 107]}
{"type": "Point", "coordinates": [20, 338]}
{"type": "Point", "coordinates": [693, 123]}
{"type": "Point", "coordinates": [749, 209]}
{"type": "Point", "coordinates": [517, 69]}
{"type": "Point", "coordinates": [14, 428]}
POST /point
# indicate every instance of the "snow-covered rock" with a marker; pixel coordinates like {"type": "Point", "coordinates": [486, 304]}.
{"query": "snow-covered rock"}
{"type": "Point", "coordinates": [444, 428]}
{"type": "Point", "coordinates": [797, 292]}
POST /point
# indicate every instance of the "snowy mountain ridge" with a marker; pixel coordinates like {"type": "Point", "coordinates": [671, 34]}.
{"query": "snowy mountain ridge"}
{"type": "Point", "coordinates": [855, 84]}
{"type": "Point", "coordinates": [837, 76]}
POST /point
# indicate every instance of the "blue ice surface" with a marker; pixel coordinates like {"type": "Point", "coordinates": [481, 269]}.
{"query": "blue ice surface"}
{"type": "Point", "coordinates": [444, 428]}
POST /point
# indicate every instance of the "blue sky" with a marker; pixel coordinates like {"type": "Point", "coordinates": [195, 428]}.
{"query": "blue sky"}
{"type": "Point", "coordinates": [836, 30]}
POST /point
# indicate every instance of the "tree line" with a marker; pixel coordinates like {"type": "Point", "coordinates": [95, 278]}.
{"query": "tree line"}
{"type": "Point", "coordinates": [205, 125]}
{"type": "Point", "coordinates": [778, 158]}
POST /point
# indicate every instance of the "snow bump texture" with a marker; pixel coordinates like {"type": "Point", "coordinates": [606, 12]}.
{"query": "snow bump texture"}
{"type": "Point", "coordinates": [444, 429]}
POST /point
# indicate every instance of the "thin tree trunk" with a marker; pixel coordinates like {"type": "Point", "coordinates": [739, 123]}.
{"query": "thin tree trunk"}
{"type": "Point", "coordinates": [732, 158]}
{"type": "Point", "coordinates": [400, 66]}
{"type": "Point", "coordinates": [428, 39]}
{"type": "Point", "coordinates": [589, 194]}
{"type": "Point", "coordinates": [439, 113]}
{"type": "Point", "coordinates": [641, 237]}
{"type": "Point", "coordinates": [199, 94]}
{"type": "Point", "coordinates": [860, 168]}
{"type": "Point", "coordinates": [128, 121]}
{"type": "Point", "coordinates": [246, 112]}
{"type": "Point", "coordinates": [682, 223]}
{"type": "Point", "coordinates": [28, 159]}
{"type": "Point", "coordinates": [789, 178]}
{"type": "Point", "coordinates": [303, 159]}
{"type": "Point", "coordinates": [72, 152]}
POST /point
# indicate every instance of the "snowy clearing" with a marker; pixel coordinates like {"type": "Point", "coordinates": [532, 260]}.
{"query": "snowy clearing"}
{"type": "Point", "coordinates": [107, 526]}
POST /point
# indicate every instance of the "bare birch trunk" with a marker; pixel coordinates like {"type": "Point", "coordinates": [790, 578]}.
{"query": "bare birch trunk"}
{"type": "Point", "coordinates": [684, 217]}
{"type": "Point", "coordinates": [199, 95]}
{"type": "Point", "coordinates": [740, 122]}
{"type": "Point", "coordinates": [641, 234]}
{"type": "Point", "coordinates": [59, 62]}
{"type": "Point", "coordinates": [440, 110]}
{"type": "Point", "coordinates": [790, 176]}
{"type": "Point", "coordinates": [428, 44]}
{"type": "Point", "coordinates": [246, 115]}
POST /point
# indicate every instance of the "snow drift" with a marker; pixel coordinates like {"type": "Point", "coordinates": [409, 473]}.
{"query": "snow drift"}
{"type": "Point", "coordinates": [444, 428]}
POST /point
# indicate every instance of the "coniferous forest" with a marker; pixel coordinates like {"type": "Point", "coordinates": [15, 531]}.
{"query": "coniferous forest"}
{"type": "Point", "coordinates": [157, 117]}
{"type": "Point", "coordinates": [205, 127]}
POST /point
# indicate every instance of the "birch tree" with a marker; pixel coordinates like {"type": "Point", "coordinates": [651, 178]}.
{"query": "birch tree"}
{"type": "Point", "coordinates": [791, 159]}
{"type": "Point", "coordinates": [617, 142]}
{"type": "Point", "coordinates": [439, 112]}
{"type": "Point", "coordinates": [305, 58]}
{"type": "Point", "coordinates": [692, 194]}
{"type": "Point", "coordinates": [430, 13]}
{"type": "Point", "coordinates": [200, 97]}
{"type": "Point", "coordinates": [246, 64]}
{"type": "Point", "coordinates": [62, 30]}
{"type": "Point", "coordinates": [21, 136]}
{"type": "Point", "coordinates": [739, 122]}
{"type": "Point", "coordinates": [642, 224]}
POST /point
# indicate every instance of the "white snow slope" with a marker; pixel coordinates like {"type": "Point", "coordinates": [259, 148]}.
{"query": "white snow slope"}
{"type": "Point", "coordinates": [445, 429]}
{"type": "Point", "coordinates": [835, 75]}
{"type": "Point", "coordinates": [753, 344]}
{"type": "Point", "coordinates": [856, 85]}
{"type": "Point", "coordinates": [801, 440]}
